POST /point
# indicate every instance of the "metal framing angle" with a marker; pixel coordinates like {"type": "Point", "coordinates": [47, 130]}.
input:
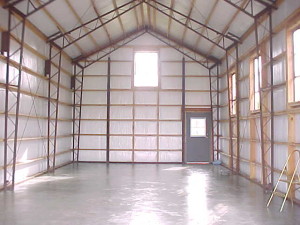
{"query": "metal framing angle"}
{"type": "Point", "coordinates": [249, 8]}
{"type": "Point", "coordinates": [215, 37]}
{"type": "Point", "coordinates": [214, 104]}
{"type": "Point", "coordinates": [229, 114]}
{"type": "Point", "coordinates": [53, 105]}
{"type": "Point", "coordinates": [207, 62]}
{"type": "Point", "coordinates": [77, 86]}
{"type": "Point", "coordinates": [62, 41]}
{"type": "Point", "coordinates": [266, 112]}
{"type": "Point", "coordinates": [92, 57]}
{"type": "Point", "coordinates": [27, 9]}
{"type": "Point", "coordinates": [12, 98]}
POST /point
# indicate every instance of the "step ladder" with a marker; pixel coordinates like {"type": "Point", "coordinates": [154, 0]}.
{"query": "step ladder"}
{"type": "Point", "coordinates": [293, 180]}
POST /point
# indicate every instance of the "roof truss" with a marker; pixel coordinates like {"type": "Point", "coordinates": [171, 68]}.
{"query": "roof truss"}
{"type": "Point", "coordinates": [31, 6]}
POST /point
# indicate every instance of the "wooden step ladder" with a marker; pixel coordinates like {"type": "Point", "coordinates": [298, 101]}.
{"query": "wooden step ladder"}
{"type": "Point", "coordinates": [293, 180]}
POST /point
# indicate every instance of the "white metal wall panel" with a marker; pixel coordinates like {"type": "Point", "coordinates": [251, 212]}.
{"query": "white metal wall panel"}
{"type": "Point", "coordinates": [171, 83]}
{"type": "Point", "coordinates": [92, 156]}
{"type": "Point", "coordinates": [170, 112]}
{"type": "Point", "coordinates": [167, 156]}
{"type": "Point", "coordinates": [147, 142]}
{"type": "Point", "coordinates": [145, 156]}
{"type": "Point", "coordinates": [145, 112]}
{"type": "Point", "coordinates": [143, 97]}
{"type": "Point", "coordinates": [95, 83]}
{"type": "Point", "coordinates": [145, 127]}
{"type": "Point", "coordinates": [121, 97]}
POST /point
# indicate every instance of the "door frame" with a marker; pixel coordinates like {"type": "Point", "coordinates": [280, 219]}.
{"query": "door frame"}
{"type": "Point", "coordinates": [184, 136]}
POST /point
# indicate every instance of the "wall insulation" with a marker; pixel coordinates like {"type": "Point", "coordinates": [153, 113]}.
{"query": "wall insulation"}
{"type": "Point", "coordinates": [145, 124]}
{"type": "Point", "coordinates": [31, 157]}
{"type": "Point", "coordinates": [250, 158]}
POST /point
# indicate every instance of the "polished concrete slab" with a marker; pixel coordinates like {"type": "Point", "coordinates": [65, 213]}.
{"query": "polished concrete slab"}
{"type": "Point", "coordinates": [87, 194]}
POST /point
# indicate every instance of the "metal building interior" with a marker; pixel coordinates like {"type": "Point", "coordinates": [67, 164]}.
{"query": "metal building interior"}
{"type": "Point", "coordinates": [149, 112]}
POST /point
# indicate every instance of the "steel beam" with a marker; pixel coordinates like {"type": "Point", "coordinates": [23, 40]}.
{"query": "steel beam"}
{"type": "Point", "coordinates": [248, 8]}
{"type": "Point", "coordinates": [12, 103]}
{"type": "Point", "coordinates": [53, 106]}
{"type": "Point", "coordinates": [105, 51]}
{"type": "Point", "coordinates": [189, 52]}
{"type": "Point", "coordinates": [183, 120]}
{"type": "Point", "coordinates": [194, 26]}
{"type": "Point", "coordinates": [77, 86]}
{"type": "Point", "coordinates": [266, 113]}
{"type": "Point", "coordinates": [237, 72]}
{"type": "Point", "coordinates": [229, 114]}
{"type": "Point", "coordinates": [78, 33]}
{"type": "Point", "coordinates": [108, 111]}
{"type": "Point", "coordinates": [30, 7]}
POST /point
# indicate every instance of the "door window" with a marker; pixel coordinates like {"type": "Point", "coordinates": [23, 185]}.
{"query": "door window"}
{"type": "Point", "coordinates": [198, 127]}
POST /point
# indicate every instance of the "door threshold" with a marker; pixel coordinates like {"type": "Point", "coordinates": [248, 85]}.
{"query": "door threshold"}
{"type": "Point", "coordinates": [198, 163]}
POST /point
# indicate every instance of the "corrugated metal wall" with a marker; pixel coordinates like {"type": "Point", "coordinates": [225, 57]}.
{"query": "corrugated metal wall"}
{"type": "Point", "coordinates": [32, 135]}
{"type": "Point", "coordinates": [250, 157]}
{"type": "Point", "coordinates": [145, 123]}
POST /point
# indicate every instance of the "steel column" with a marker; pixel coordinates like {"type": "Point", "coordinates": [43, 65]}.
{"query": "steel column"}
{"type": "Point", "coordinates": [266, 115]}
{"type": "Point", "coordinates": [53, 105]}
{"type": "Point", "coordinates": [229, 114]}
{"type": "Point", "coordinates": [237, 72]}
{"type": "Point", "coordinates": [183, 121]}
{"type": "Point", "coordinates": [12, 103]}
{"type": "Point", "coordinates": [212, 114]}
{"type": "Point", "coordinates": [77, 86]}
{"type": "Point", "coordinates": [108, 111]}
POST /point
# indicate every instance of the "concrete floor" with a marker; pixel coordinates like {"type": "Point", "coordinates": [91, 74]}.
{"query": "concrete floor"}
{"type": "Point", "coordinates": [124, 194]}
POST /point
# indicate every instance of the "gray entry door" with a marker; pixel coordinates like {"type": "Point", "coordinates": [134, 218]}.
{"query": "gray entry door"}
{"type": "Point", "coordinates": [198, 136]}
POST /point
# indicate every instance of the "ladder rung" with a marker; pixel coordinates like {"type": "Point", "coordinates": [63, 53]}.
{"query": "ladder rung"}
{"type": "Point", "coordinates": [279, 194]}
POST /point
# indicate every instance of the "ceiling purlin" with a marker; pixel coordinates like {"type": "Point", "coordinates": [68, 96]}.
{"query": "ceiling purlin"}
{"type": "Point", "coordinates": [250, 10]}
{"type": "Point", "coordinates": [170, 18]}
{"type": "Point", "coordinates": [68, 37]}
{"type": "Point", "coordinates": [206, 61]}
{"type": "Point", "coordinates": [148, 15]}
{"type": "Point", "coordinates": [80, 21]}
{"type": "Point", "coordinates": [136, 17]}
{"type": "Point", "coordinates": [207, 22]}
{"type": "Point", "coordinates": [100, 19]}
{"type": "Point", "coordinates": [244, 3]}
{"type": "Point", "coordinates": [154, 17]}
{"type": "Point", "coordinates": [31, 6]}
{"type": "Point", "coordinates": [188, 26]}
{"type": "Point", "coordinates": [119, 19]}
{"type": "Point", "coordinates": [188, 20]}
{"type": "Point", "coordinates": [142, 14]}
{"type": "Point", "coordinates": [106, 50]}
{"type": "Point", "coordinates": [94, 56]}
{"type": "Point", "coordinates": [129, 6]}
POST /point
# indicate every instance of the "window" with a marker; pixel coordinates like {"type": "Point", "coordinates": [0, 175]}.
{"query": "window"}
{"type": "Point", "coordinates": [257, 81]}
{"type": "Point", "coordinates": [233, 94]}
{"type": "Point", "coordinates": [296, 63]}
{"type": "Point", "coordinates": [198, 127]}
{"type": "Point", "coordinates": [146, 69]}
{"type": "Point", "coordinates": [293, 61]}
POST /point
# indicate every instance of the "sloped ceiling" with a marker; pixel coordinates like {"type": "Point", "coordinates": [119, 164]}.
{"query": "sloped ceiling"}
{"type": "Point", "coordinates": [81, 27]}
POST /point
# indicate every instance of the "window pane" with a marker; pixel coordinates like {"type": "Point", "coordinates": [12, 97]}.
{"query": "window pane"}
{"type": "Point", "coordinates": [233, 105]}
{"type": "Point", "coordinates": [146, 69]}
{"type": "Point", "coordinates": [198, 127]}
{"type": "Point", "coordinates": [233, 84]}
{"type": "Point", "coordinates": [296, 43]}
{"type": "Point", "coordinates": [297, 89]}
{"type": "Point", "coordinates": [257, 72]}
{"type": "Point", "coordinates": [256, 101]}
